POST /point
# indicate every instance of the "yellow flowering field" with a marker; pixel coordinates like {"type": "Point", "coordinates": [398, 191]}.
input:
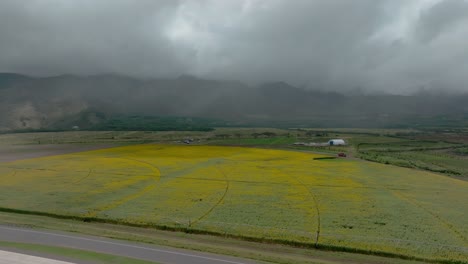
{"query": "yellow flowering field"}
{"type": "Point", "coordinates": [258, 193]}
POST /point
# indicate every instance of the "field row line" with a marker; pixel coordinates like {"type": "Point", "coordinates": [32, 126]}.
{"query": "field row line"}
{"type": "Point", "coordinates": [283, 183]}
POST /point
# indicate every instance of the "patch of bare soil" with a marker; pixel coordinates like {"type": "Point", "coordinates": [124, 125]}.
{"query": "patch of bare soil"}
{"type": "Point", "coordinates": [19, 152]}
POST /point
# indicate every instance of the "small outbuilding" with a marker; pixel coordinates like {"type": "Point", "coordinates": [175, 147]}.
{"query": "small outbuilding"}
{"type": "Point", "coordinates": [336, 142]}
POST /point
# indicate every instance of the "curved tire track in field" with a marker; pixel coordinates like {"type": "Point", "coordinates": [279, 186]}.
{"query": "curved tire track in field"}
{"type": "Point", "coordinates": [11, 174]}
{"type": "Point", "coordinates": [217, 203]}
{"type": "Point", "coordinates": [147, 164]}
{"type": "Point", "coordinates": [83, 178]}
{"type": "Point", "coordinates": [437, 217]}
{"type": "Point", "coordinates": [317, 209]}
{"type": "Point", "coordinates": [124, 200]}
{"type": "Point", "coordinates": [130, 197]}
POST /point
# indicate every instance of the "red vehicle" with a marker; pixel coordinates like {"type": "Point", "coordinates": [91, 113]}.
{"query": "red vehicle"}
{"type": "Point", "coordinates": [342, 155]}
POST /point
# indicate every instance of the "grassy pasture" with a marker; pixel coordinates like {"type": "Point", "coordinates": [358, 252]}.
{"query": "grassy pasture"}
{"type": "Point", "coordinates": [257, 193]}
{"type": "Point", "coordinates": [437, 156]}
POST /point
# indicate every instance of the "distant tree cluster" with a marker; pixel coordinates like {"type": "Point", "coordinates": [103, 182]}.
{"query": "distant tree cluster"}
{"type": "Point", "coordinates": [264, 135]}
{"type": "Point", "coordinates": [150, 123]}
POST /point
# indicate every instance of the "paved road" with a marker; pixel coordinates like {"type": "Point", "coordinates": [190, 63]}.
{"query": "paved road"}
{"type": "Point", "coordinates": [114, 247]}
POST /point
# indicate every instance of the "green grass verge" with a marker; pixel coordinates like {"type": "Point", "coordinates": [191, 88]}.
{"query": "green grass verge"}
{"type": "Point", "coordinates": [69, 253]}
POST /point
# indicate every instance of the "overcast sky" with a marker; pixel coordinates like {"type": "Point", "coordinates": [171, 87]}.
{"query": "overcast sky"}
{"type": "Point", "coordinates": [397, 46]}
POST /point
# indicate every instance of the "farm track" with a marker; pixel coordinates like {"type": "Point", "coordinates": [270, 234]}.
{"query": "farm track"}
{"type": "Point", "coordinates": [219, 201]}
{"type": "Point", "coordinates": [317, 209]}
{"type": "Point", "coordinates": [318, 214]}
{"type": "Point", "coordinates": [149, 188]}
{"type": "Point", "coordinates": [147, 164]}
{"type": "Point", "coordinates": [83, 178]}
{"type": "Point", "coordinates": [94, 212]}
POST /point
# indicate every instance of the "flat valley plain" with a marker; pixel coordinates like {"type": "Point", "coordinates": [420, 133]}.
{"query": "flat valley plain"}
{"type": "Point", "coordinates": [259, 194]}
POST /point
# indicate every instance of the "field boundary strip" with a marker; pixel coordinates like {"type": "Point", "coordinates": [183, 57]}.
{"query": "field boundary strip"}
{"type": "Point", "coordinates": [396, 240]}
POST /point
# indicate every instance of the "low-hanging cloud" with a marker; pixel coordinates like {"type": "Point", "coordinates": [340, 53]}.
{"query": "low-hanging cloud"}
{"type": "Point", "coordinates": [395, 46]}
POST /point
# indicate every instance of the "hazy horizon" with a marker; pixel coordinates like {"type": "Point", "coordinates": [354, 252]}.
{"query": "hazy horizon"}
{"type": "Point", "coordinates": [348, 92]}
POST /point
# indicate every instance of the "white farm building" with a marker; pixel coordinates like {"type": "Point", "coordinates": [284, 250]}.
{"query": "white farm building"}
{"type": "Point", "coordinates": [336, 142]}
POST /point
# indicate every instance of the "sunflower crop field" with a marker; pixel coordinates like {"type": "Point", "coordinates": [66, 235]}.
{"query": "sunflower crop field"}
{"type": "Point", "coordinates": [263, 194]}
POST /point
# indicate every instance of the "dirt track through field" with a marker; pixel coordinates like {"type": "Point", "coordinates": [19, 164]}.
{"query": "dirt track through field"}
{"type": "Point", "coordinates": [20, 152]}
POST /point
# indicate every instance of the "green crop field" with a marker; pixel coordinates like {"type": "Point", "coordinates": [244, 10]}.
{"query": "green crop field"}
{"type": "Point", "coordinates": [262, 194]}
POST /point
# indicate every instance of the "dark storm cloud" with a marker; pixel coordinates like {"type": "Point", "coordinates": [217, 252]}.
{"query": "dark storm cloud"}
{"type": "Point", "coordinates": [86, 37]}
{"type": "Point", "coordinates": [442, 18]}
{"type": "Point", "coordinates": [397, 46]}
{"type": "Point", "coordinates": [308, 42]}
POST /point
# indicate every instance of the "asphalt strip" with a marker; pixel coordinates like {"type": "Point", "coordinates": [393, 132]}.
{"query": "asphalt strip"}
{"type": "Point", "coordinates": [114, 247]}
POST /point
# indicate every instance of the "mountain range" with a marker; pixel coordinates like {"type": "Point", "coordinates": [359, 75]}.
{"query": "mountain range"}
{"type": "Point", "coordinates": [28, 102]}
